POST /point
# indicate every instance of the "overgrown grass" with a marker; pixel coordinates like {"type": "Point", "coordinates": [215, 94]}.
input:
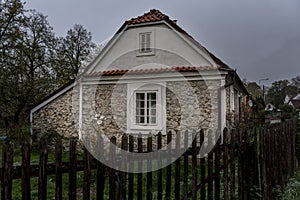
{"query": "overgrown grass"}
{"type": "Point", "coordinates": [291, 191]}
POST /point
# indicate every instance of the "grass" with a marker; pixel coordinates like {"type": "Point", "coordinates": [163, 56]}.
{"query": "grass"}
{"type": "Point", "coordinates": [292, 189]}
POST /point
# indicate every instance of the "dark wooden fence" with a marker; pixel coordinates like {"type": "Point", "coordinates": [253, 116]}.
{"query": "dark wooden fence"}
{"type": "Point", "coordinates": [248, 164]}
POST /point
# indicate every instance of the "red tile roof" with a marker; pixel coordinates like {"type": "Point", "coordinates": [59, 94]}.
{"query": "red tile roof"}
{"type": "Point", "coordinates": [154, 70]}
{"type": "Point", "coordinates": [152, 16]}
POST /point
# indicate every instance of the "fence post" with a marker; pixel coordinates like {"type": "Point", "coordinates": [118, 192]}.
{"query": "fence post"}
{"type": "Point", "coordinates": [168, 168]}
{"type": "Point", "coordinates": [100, 170]}
{"type": "Point", "coordinates": [225, 161]}
{"type": "Point", "coordinates": [123, 175]}
{"type": "Point", "coordinates": [86, 174]}
{"type": "Point", "coordinates": [42, 188]}
{"type": "Point", "coordinates": [72, 170]}
{"type": "Point", "coordinates": [130, 175]}
{"type": "Point", "coordinates": [26, 171]}
{"type": "Point", "coordinates": [232, 164]}
{"type": "Point", "coordinates": [202, 167]}
{"type": "Point", "coordinates": [159, 171]}
{"type": "Point", "coordinates": [112, 175]}
{"type": "Point", "coordinates": [7, 170]}
{"type": "Point", "coordinates": [58, 169]}
{"type": "Point", "coordinates": [217, 169]}
{"type": "Point", "coordinates": [210, 165]}
{"type": "Point", "coordinates": [177, 168]}
{"type": "Point", "coordinates": [149, 173]}
{"type": "Point", "coordinates": [140, 174]}
{"type": "Point", "coordinates": [194, 166]}
{"type": "Point", "coordinates": [185, 166]}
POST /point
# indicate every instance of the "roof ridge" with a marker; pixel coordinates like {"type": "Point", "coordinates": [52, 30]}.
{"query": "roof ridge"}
{"type": "Point", "coordinates": [152, 16]}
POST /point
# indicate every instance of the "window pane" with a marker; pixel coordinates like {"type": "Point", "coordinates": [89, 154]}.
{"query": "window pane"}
{"type": "Point", "coordinates": [153, 112]}
{"type": "Point", "coordinates": [142, 120]}
{"type": "Point", "coordinates": [147, 45]}
{"type": "Point", "coordinates": [142, 111]}
{"type": "Point", "coordinates": [137, 111]}
{"type": "Point", "coordinates": [140, 96]}
{"type": "Point", "coordinates": [153, 104]}
{"type": "Point", "coordinates": [151, 96]}
{"type": "Point", "coordinates": [153, 120]}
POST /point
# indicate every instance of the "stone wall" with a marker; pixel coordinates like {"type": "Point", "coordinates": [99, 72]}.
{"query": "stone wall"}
{"type": "Point", "coordinates": [104, 110]}
{"type": "Point", "coordinates": [56, 116]}
{"type": "Point", "coordinates": [191, 105]}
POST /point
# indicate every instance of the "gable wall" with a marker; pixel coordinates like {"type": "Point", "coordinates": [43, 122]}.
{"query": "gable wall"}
{"type": "Point", "coordinates": [170, 50]}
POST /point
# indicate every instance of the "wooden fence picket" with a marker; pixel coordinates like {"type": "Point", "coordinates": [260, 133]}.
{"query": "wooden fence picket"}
{"type": "Point", "coordinates": [140, 165]}
{"type": "Point", "coordinates": [177, 168]}
{"type": "Point", "coordinates": [7, 171]}
{"type": "Point", "coordinates": [159, 171]}
{"type": "Point", "coordinates": [42, 183]}
{"type": "Point", "coordinates": [131, 175]}
{"type": "Point", "coordinates": [58, 169]}
{"type": "Point", "coordinates": [149, 168]}
{"type": "Point", "coordinates": [72, 169]}
{"type": "Point", "coordinates": [26, 195]}
{"type": "Point", "coordinates": [168, 168]}
{"type": "Point", "coordinates": [86, 175]}
{"type": "Point", "coordinates": [112, 172]}
{"type": "Point", "coordinates": [225, 163]}
{"type": "Point", "coordinates": [229, 166]}
{"type": "Point", "coordinates": [100, 180]}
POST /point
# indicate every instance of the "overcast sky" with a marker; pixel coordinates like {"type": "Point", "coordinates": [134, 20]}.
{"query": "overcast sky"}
{"type": "Point", "coordinates": [260, 38]}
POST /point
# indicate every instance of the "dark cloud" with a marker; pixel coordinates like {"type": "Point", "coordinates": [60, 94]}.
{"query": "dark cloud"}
{"type": "Point", "coordinates": [259, 38]}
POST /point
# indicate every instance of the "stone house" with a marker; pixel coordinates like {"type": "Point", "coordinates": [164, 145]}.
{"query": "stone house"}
{"type": "Point", "coordinates": [151, 76]}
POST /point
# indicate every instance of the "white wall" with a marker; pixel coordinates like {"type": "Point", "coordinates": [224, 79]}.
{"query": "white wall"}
{"type": "Point", "coordinates": [171, 49]}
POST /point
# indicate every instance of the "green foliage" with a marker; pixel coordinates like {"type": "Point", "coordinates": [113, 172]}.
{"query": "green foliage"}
{"type": "Point", "coordinates": [254, 89]}
{"type": "Point", "coordinates": [72, 51]}
{"type": "Point", "coordinates": [33, 61]}
{"type": "Point", "coordinates": [279, 90]}
{"type": "Point", "coordinates": [291, 191]}
{"type": "Point", "coordinates": [298, 140]}
{"type": "Point", "coordinates": [296, 82]}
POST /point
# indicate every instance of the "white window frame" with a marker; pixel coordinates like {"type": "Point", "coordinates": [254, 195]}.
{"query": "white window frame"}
{"type": "Point", "coordinates": [147, 115]}
{"type": "Point", "coordinates": [160, 125]}
{"type": "Point", "coordinates": [144, 44]}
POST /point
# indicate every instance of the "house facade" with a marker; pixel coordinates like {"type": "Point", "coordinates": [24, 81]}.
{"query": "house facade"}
{"type": "Point", "coordinates": [152, 76]}
{"type": "Point", "coordinates": [293, 101]}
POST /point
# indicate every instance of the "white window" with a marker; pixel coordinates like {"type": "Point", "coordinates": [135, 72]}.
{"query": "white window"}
{"type": "Point", "coordinates": [145, 108]}
{"type": "Point", "coordinates": [146, 103]}
{"type": "Point", "coordinates": [145, 42]}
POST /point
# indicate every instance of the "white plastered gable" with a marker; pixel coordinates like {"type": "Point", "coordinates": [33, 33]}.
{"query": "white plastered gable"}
{"type": "Point", "coordinates": [171, 48]}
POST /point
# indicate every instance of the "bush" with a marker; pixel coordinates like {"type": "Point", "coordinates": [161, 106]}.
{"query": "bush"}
{"type": "Point", "coordinates": [291, 191]}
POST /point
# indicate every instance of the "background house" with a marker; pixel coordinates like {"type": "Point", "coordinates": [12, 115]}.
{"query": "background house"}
{"type": "Point", "coordinates": [151, 76]}
{"type": "Point", "coordinates": [293, 101]}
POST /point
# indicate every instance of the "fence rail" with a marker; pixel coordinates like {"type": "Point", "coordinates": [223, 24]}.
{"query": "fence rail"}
{"type": "Point", "coordinates": [247, 164]}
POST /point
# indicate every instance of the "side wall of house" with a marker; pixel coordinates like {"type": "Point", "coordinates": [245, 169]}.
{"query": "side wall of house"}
{"type": "Point", "coordinates": [56, 116]}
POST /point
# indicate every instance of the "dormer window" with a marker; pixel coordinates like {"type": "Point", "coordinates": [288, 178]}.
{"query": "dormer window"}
{"type": "Point", "coordinates": [145, 42]}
